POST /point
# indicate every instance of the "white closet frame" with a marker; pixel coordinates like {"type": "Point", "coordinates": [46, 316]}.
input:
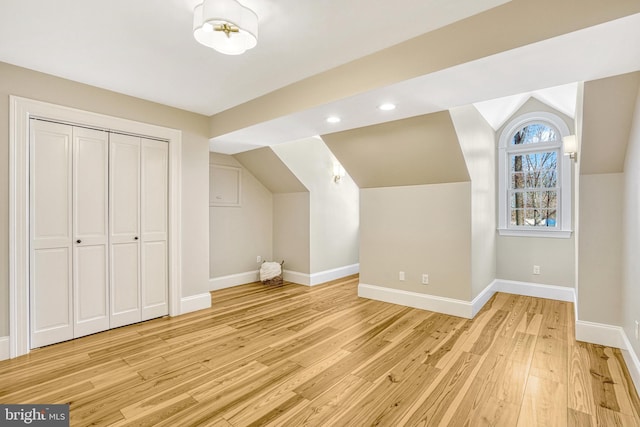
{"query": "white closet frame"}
{"type": "Point", "coordinates": [21, 110]}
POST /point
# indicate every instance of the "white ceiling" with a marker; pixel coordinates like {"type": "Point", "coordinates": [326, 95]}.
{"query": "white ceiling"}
{"type": "Point", "coordinates": [595, 52]}
{"type": "Point", "coordinates": [145, 48]}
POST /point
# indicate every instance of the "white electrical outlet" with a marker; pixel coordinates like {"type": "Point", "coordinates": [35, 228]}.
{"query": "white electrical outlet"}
{"type": "Point", "coordinates": [401, 275]}
{"type": "Point", "coordinates": [258, 258]}
{"type": "Point", "coordinates": [425, 279]}
{"type": "Point", "coordinates": [637, 329]}
{"type": "Point", "coordinates": [536, 269]}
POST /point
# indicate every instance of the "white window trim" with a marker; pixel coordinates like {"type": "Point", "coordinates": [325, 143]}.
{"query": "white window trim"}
{"type": "Point", "coordinates": [504, 229]}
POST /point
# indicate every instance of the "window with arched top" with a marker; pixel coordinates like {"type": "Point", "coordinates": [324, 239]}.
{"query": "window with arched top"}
{"type": "Point", "coordinates": [534, 177]}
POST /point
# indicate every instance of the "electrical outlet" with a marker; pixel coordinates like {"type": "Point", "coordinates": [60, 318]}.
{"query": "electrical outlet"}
{"type": "Point", "coordinates": [401, 275]}
{"type": "Point", "coordinates": [425, 279]}
{"type": "Point", "coordinates": [637, 329]}
{"type": "Point", "coordinates": [258, 258]}
{"type": "Point", "coordinates": [536, 269]}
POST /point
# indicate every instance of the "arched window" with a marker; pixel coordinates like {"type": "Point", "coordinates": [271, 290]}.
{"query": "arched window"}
{"type": "Point", "coordinates": [534, 177]}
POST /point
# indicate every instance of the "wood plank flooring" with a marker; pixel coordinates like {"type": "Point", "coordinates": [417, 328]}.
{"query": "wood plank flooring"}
{"type": "Point", "coordinates": [298, 356]}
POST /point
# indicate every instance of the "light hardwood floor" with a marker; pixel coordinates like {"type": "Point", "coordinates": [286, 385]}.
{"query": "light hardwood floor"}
{"type": "Point", "coordinates": [293, 355]}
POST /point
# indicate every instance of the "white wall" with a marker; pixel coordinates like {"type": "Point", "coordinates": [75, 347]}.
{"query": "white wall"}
{"type": "Point", "coordinates": [422, 229]}
{"type": "Point", "coordinates": [477, 140]}
{"type": "Point", "coordinates": [334, 220]}
{"type": "Point", "coordinates": [238, 234]}
{"type": "Point", "coordinates": [631, 227]}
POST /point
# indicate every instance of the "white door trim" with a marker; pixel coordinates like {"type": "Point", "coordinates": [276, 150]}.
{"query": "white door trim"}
{"type": "Point", "coordinates": [21, 110]}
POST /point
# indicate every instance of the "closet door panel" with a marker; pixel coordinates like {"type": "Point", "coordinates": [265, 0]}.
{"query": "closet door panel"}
{"type": "Point", "coordinates": [51, 298]}
{"type": "Point", "coordinates": [155, 295]}
{"type": "Point", "coordinates": [90, 227]}
{"type": "Point", "coordinates": [155, 289]}
{"type": "Point", "coordinates": [125, 294]}
{"type": "Point", "coordinates": [124, 176]}
{"type": "Point", "coordinates": [91, 290]}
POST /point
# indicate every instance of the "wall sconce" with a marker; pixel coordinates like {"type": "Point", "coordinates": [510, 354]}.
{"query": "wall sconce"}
{"type": "Point", "coordinates": [338, 172]}
{"type": "Point", "coordinates": [570, 146]}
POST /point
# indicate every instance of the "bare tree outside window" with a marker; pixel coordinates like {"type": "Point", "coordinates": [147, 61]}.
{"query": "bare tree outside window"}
{"type": "Point", "coordinates": [534, 178]}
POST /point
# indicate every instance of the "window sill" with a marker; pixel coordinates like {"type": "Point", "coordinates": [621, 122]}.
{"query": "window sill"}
{"type": "Point", "coordinates": [554, 234]}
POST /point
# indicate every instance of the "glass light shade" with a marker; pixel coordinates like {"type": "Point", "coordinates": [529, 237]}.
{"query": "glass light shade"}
{"type": "Point", "coordinates": [215, 13]}
{"type": "Point", "coordinates": [569, 144]}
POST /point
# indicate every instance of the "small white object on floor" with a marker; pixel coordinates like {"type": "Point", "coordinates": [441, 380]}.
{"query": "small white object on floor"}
{"type": "Point", "coordinates": [269, 270]}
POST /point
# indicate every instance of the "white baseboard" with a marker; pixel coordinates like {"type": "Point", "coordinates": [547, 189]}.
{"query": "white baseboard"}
{"type": "Point", "coordinates": [482, 298]}
{"type": "Point", "coordinates": [633, 363]}
{"type": "Point", "coordinates": [4, 348]}
{"type": "Point", "coordinates": [296, 277]}
{"type": "Point", "coordinates": [333, 274]}
{"type": "Point", "coordinates": [217, 283]}
{"type": "Point", "coordinates": [463, 308]}
{"type": "Point", "coordinates": [321, 276]}
{"type": "Point", "coordinates": [453, 307]}
{"type": "Point", "coordinates": [560, 293]}
{"type": "Point", "coordinates": [600, 333]}
{"type": "Point", "coordinates": [195, 303]}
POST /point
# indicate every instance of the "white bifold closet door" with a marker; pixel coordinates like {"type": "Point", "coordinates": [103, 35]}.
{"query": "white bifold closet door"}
{"type": "Point", "coordinates": [138, 215]}
{"type": "Point", "coordinates": [69, 250]}
{"type": "Point", "coordinates": [98, 225]}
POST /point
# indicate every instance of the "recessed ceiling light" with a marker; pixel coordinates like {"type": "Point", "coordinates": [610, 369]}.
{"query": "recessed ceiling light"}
{"type": "Point", "coordinates": [333, 119]}
{"type": "Point", "coordinates": [387, 107]}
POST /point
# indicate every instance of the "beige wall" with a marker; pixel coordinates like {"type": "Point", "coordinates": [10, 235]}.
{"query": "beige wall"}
{"type": "Point", "coordinates": [291, 231]}
{"type": "Point", "coordinates": [238, 234]}
{"type": "Point", "coordinates": [419, 150]}
{"type": "Point", "coordinates": [269, 169]}
{"type": "Point", "coordinates": [516, 256]}
{"type": "Point", "coordinates": [607, 116]}
{"type": "Point", "coordinates": [608, 113]}
{"type": "Point", "coordinates": [631, 227]}
{"type": "Point", "coordinates": [600, 248]}
{"type": "Point", "coordinates": [417, 229]}
{"type": "Point", "coordinates": [334, 219]}
{"type": "Point", "coordinates": [477, 140]}
{"type": "Point", "coordinates": [31, 84]}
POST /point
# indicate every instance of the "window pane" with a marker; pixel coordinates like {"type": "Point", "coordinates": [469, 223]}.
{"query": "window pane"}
{"type": "Point", "coordinates": [529, 217]}
{"type": "Point", "coordinates": [517, 217]}
{"type": "Point", "coordinates": [516, 163]}
{"type": "Point", "coordinates": [540, 161]}
{"type": "Point", "coordinates": [517, 200]}
{"type": "Point", "coordinates": [534, 170]}
{"type": "Point", "coordinates": [549, 199]}
{"type": "Point", "coordinates": [549, 218]}
{"type": "Point", "coordinates": [517, 180]}
{"type": "Point", "coordinates": [534, 133]}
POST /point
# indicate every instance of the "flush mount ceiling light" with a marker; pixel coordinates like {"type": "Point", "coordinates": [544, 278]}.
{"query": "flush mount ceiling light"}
{"type": "Point", "coordinates": [226, 26]}
{"type": "Point", "coordinates": [387, 106]}
{"type": "Point", "coordinates": [333, 119]}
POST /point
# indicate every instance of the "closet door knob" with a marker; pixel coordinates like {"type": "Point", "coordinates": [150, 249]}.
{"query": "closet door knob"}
{"type": "Point", "coordinates": [135, 238]}
{"type": "Point", "coordinates": [78, 241]}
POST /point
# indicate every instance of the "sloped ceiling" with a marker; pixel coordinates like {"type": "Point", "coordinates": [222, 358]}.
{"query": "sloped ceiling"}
{"type": "Point", "coordinates": [520, 46]}
{"type": "Point", "coordinates": [265, 165]}
{"type": "Point", "coordinates": [414, 151]}
{"type": "Point", "coordinates": [497, 111]}
{"type": "Point", "coordinates": [607, 117]}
